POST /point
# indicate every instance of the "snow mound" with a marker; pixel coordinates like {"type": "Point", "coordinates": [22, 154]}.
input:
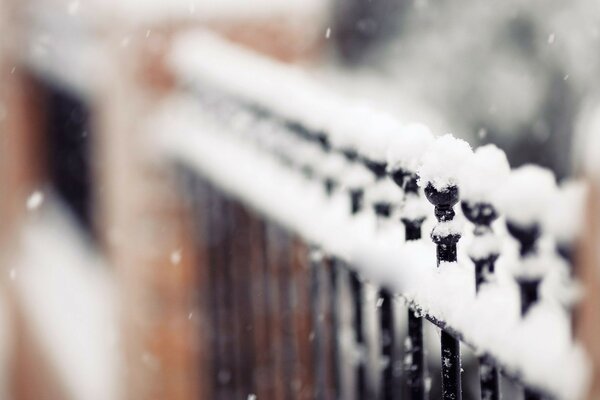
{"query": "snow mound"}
{"type": "Point", "coordinates": [442, 162]}
{"type": "Point", "coordinates": [406, 149]}
{"type": "Point", "coordinates": [525, 197]}
{"type": "Point", "coordinates": [333, 166]}
{"type": "Point", "coordinates": [367, 130]}
{"type": "Point", "coordinates": [566, 212]}
{"type": "Point", "coordinates": [385, 191]}
{"type": "Point", "coordinates": [357, 177]}
{"type": "Point", "coordinates": [483, 173]}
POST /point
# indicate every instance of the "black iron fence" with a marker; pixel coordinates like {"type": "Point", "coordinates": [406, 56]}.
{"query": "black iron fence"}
{"type": "Point", "coordinates": [293, 316]}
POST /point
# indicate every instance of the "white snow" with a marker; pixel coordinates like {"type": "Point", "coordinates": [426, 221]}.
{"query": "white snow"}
{"type": "Point", "coordinates": [442, 162]}
{"type": "Point", "coordinates": [35, 200]}
{"type": "Point", "coordinates": [68, 299]}
{"type": "Point", "coordinates": [535, 266]}
{"type": "Point", "coordinates": [566, 212]}
{"type": "Point", "coordinates": [415, 207]}
{"type": "Point", "coordinates": [483, 246]}
{"type": "Point", "coordinates": [373, 130]}
{"type": "Point", "coordinates": [483, 174]}
{"type": "Point", "coordinates": [526, 195]}
{"type": "Point", "coordinates": [406, 148]}
{"type": "Point", "coordinates": [334, 165]}
{"type": "Point", "coordinates": [201, 58]}
{"type": "Point", "coordinates": [447, 228]}
{"type": "Point", "coordinates": [386, 191]}
{"type": "Point", "coordinates": [587, 144]}
{"type": "Point", "coordinates": [490, 321]}
{"type": "Point", "coordinates": [357, 177]}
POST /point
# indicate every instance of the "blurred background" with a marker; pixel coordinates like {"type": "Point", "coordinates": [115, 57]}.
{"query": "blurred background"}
{"type": "Point", "coordinates": [100, 294]}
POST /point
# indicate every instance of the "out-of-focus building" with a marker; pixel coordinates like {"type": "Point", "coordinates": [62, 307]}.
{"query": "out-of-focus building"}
{"type": "Point", "coordinates": [98, 263]}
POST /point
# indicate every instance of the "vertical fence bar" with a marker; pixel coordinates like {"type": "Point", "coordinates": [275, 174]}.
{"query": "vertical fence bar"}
{"type": "Point", "coordinates": [198, 193]}
{"type": "Point", "coordinates": [383, 210]}
{"type": "Point", "coordinates": [382, 205]}
{"type": "Point", "coordinates": [451, 368]}
{"type": "Point", "coordinates": [324, 321]}
{"type": "Point", "coordinates": [323, 286]}
{"type": "Point", "coordinates": [282, 347]}
{"type": "Point", "coordinates": [415, 351]}
{"type": "Point", "coordinates": [444, 200]}
{"type": "Point", "coordinates": [356, 289]}
{"type": "Point", "coordinates": [275, 311]}
{"type": "Point", "coordinates": [259, 282]}
{"type": "Point", "coordinates": [482, 215]}
{"type": "Point", "coordinates": [527, 236]}
{"type": "Point", "coordinates": [224, 315]}
{"type": "Point", "coordinates": [319, 336]}
{"type": "Point", "coordinates": [528, 286]}
{"type": "Point", "coordinates": [241, 283]}
{"type": "Point", "coordinates": [415, 367]}
{"type": "Point", "coordinates": [303, 328]}
{"type": "Point", "coordinates": [357, 299]}
{"type": "Point", "coordinates": [213, 257]}
{"type": "Point", "coordinates": [334, 353]}
{"type": "Point", "coordinates": [387, 323]}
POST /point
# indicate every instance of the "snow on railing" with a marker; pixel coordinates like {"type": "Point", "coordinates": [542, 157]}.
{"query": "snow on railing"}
{"type": "Point", "coordinates": [339, 174]}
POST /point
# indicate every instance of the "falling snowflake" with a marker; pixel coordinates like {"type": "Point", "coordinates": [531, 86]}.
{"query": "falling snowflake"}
{"type": "Point", "coordinates": [35, 200]}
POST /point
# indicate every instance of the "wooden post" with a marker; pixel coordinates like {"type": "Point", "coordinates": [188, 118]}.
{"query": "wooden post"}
{"type": "Point", "coordinates": [587, 270]}
{"type": "Point", "coordinates": [145, 227]}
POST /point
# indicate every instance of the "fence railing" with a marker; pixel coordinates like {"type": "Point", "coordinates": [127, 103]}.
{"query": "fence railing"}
{"type": "Point", "coordinates": [362, 192]}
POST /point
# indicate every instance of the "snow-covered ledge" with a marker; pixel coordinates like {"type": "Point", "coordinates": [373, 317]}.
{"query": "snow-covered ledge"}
{"type": "Point", "coordinates": [490, 322]}
{"type": "Point", "coordinates": [68, 299]}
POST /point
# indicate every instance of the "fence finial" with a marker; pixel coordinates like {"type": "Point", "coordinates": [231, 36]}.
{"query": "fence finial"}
{"type": "Point", "coordinates": [439, 174]}
{"type": "Point", "coordinates": [403, 157]}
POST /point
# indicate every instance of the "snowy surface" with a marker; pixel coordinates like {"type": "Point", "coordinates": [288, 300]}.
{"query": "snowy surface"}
{"type": "Point", "coordinates": [587, 143]}
{"type": "Point", "coordinates": [566, 213]}
{"type": "Point", "coordinates": [357, 177]}
{"type": "Point", "coordinates": [490, 321]}
{"type": "Point", "coordinates": [256, 79]}
{"type": "Point", "coordinates": [484, 246]}
{"type": "Point", "coordinates": [406, 149]}
{"type": "Point", "coordinates": [526, 196]}
{"type": "Point", "coordinates": [372, 131]}
{"type": "Point", "coordinates": [483, 174]}
{"type": "Point", "coordinates": [153, 11]}
{"type": "Point", "coordinates": [442, 162]}
{"type": "Point", "coordinates": [69, 302]}
{"type": "Point", "coordinates": [385, 191]}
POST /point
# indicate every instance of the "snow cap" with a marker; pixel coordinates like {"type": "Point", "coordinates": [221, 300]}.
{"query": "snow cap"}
{"type": "Point", "coordinates": [415, 207]}
{"type": "Point", "coordinates": [357, 177]}
{"type": "Point", "coordinates": [442, 162]}
{"type": "Point", "coordinates": [565, 216]}
{"type": "Point", "coordinates": [406, 148]}
{"type": "Point", "coordinates": [366, 130]}
{"type": "Point", "coordinates": [333, 165]}
{"type": "Point", "coordinates": [483, 173]}
{"type": "Point", "coordinates": [525, 197]}
{"type": "Point", "coordinates": [384, 191]}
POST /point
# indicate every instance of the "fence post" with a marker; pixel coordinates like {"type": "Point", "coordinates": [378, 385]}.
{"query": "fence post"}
{"type": "Point", "coordinates": [482, 215]}
{"type": "Point", "coordinates": [446, 252]}
{"type": "Point", "coordinates": [587, 259]}
{"type": "Point", "coordinates": [384, 196]}
{"type": "Point", "coordinates": [404, 155]}
{"type": "Point", "coordinates": [480, 177]}
{"type": "Point", "coordinates": [525, 197]}
{"type": "Point", "coordinates": [138, 200]}
{"type": "Point", "coordinates": [357, 194]}
{"type": "Point", "coordinates": [439, 173]}
{"type": "Point", "coordinates": [383, 207]}
{"type": "Point", "coordinates": [415, 368]}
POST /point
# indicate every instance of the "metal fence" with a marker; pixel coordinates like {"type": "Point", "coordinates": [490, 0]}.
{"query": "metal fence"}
{"type": "Point", "coordinates": [296, 312]}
